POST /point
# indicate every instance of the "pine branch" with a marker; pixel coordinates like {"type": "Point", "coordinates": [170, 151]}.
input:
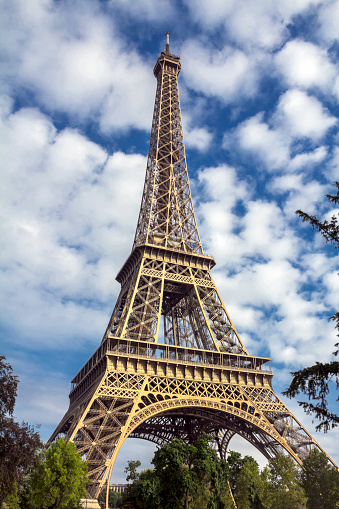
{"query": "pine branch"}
{"type": "Point", "coordinates": [327, 419]}
{"type": "Point", "coordinates": [313, 381]}
{"type": "Point", "coordinates": [329, 230]}
{"type": "Point", "coordinates": [334, 199]}
{"type": "Point", "coordinates": [335, 318]}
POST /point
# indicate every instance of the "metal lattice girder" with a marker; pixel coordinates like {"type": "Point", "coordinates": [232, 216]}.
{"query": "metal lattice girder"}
{"type": "Point", "coordinates": [194, 376]}
{"type": "Point", "coordinates": [142, 392]}
{"type": "Point", "coordinates": [166, 215]}
{"type": "Point", "coordinates": [186, 296]}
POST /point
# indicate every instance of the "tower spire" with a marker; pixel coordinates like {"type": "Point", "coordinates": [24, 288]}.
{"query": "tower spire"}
{"type": "Point", "coordinates": [167, 42]}
{"type": "Point", "coordinates": [166, 215]}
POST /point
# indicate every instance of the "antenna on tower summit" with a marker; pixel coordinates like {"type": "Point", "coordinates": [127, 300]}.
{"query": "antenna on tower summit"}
{"type": "Point", "coordinates": [167, 41]}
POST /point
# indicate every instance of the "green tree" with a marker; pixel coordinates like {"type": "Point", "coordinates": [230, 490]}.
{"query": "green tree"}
{"type": "Point", "coordinates": [235, 463]}
{"type": "Point", "coordinates": [184, 476]}
{"type": "Point", "coordinates": [314, 381]}
{"type": "Point", "coordinates": [188, 472]}
{"type": "Point", "coordinates": [281, 484]}
{"type": "Point", "coordinates": [245, 480]}
{"type": "Point", "coordinates": [60, 480]}
{"type": "Point", "coordinates": [320, 481]}
{"type": "Point", "coordinates": [174, 468]}
{"type": "Point", "coordinates": [13, 500]}
{"type": "Point", "coordinates": [19, 443]}
{"type": "Point", "coordinates": [249, 485]}
{"type": "Point", "coordinates": [131, 470]}
{"type": "Point", "coordinates": [114, 499]}
{"type": "Point", "coordinates": [148, 490]}
{"type": "Point", "coordinates": [130, 498]}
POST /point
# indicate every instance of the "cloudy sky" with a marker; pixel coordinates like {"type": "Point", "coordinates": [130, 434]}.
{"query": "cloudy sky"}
{"type": "Point", "coordinates": [259, 92]}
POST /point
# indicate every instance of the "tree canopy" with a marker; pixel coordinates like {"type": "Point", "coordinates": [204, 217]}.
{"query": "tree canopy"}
{"type": "Point", "coordinates": [248, 491]}
{"type": "Point", "coordinates": [114, 499]}
{"type": "Point", "coordinates": [30, 476]}
{"type": "Point", "coordinates": [60, 481]}
{"type": "Point", "coordinates": [320, 481]}
{"type": "Point", "coordinates": [193, 476]}
{"type": "Point", "coordinates": [313, 381]}
{"type": "Point", "coordinates": [184, 476]}
{"type": "Point", "coordinates": [19, 443]}
{"type": "Point", "coordinates": [281, 484]}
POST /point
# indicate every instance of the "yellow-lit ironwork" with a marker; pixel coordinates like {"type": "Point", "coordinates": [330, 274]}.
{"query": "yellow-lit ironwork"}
{"type": "Point", "coordinates": [194, 375]}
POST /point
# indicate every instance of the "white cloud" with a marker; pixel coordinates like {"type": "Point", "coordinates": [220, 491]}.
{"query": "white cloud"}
{"type": "Point", "coordinates": [262, 284]}
{"type": "Point", "coordinates": [304, 115]}
{"type": "Point", "coordinates": [73, 62]}
{"type": "Point", "coordinates": [221, 183]}
{"type": "Point", "coordinates": [220, 192]}
{"type": "Point", "coordinates": [301, 195]}
{"type": "Point", "coordinates": [226, 74]}
{"type": "Point", "coordinates": [250, 24]}
{"type": "Point", "coordinates": [269, 144]}
{"type": "Point", "coordinates": [331, 281]}
{"type": "Point", "coordinates": [297, 333]}
{"type": "Point", "coordinates": [259, 231]}
{"type": "Point", "coordinates": [265, 232]}
{"type": "Point", "coordinates": [63, 207]}
{"type": "Point", "coordinates": [328, 16]}
{"type": "Point", "coordinates": [198, 138]}
{"type": "Point", "coordinates": [307, 159]}
{"type": "Point", "coordinates": [333, 166]}
{"type": "Point", "coordinates": [264, 270]}
{"type": "Point", "coordinates": [145, 9]}
{"type": "Point", "coordinates": [298, 117]}
{"type": "Point", "coordinates": [317, 264]}
{"type": "Point", "coordinates": [305, 65]}
{"type": "Point", "coordinates": [195, 137]}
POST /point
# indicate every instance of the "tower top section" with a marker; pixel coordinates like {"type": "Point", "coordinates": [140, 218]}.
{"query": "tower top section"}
{"type": "Point", "coordinates": [166, 216]}
{"type": "Point", "coordinates": [167, 60]}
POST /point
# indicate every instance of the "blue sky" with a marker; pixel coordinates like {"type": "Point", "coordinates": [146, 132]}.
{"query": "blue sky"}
{"type": "Point", "coordinates": [259, 91]}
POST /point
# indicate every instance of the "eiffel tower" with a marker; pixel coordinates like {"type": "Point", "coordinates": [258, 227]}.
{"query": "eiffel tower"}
{"type": "Point", "coordinates": [193, 374]}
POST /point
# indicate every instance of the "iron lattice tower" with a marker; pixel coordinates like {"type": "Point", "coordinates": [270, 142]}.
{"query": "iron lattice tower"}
{"type": "Point", "coordinates": [194, 375]}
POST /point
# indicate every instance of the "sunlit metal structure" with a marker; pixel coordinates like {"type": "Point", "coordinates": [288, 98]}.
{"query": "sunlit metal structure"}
{"type": "Point", "coordinates": [193, 373]}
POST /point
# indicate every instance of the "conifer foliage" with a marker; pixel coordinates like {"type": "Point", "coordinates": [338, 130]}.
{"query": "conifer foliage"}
{"type": "Point", "coordinates": [314, 381]}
